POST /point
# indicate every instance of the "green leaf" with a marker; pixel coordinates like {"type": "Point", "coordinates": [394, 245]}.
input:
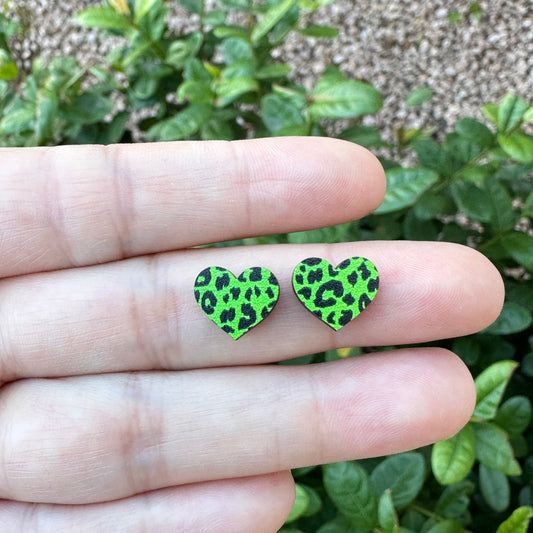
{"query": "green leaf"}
{"type": "Point", "coordinates": [455, 499]}
{"type": "Point", "coordinates": [88, 108]}
{"type": "Point", "coordinates": [339, 524]}
{"type": "Point", "coordinates": [473, 130]}
{"type": "Point", "coordinates": [452, 459]}
{"type": "Point", "coordinates": [447, 526]}
{"type": "Point", "coordinates": [142, 7]}
{"type": "Point", "coordinates": [471, 200]}
{"type": "Point", "coordinates": [518, 522]}
{"type": "Point", "coordinates": [314, 30]}
{"type": "Point", "coordinates": [387, 518]}
{"type": "Point", "coordinates": [240, 5]}
{"type": "Point", "coordinates": [490, 386]}
{"type": "Point", "coordinates": [502, 215]}
{"type": "Point", "coordinates": [510, 112]}
{"type": "Point", "coordinates": [366, 136]}
{"type": "Point", "coordinates": [430, 205]}
{"type": "Point", "coordinates": [234, 48]}
{"type": "Point", "coordinates": [528, 115]}
{"type": "Point", "coordinates": [314, 503]}
{"type": "Point", "coordinates": [114, 130]}
{"type": "Point", "coordinates": [514, 415]}
{"type": "Point", "coordinates": [46, 113]}
{"type": "Point", "coordinates": [518, 146]}
{"type": "Point", "coordinates": [214, 18]}
{"type": "Point", "coordinates": [513, 318]}
{"type": "Point", "coordinates": [418, 96]}
{"type": "Point", "coordinates": [195, 92]}
{"type": "Point", "coordinates": [300, 504]}
{"type": "Point", "coordinates": [403, 474]}
{"type": "Point", "coordinates": [183, 125]}
{"type": "Point", "coordinates": [178, 52]}
{"type": "Point", "coordinates": [350, 489]}
{"type": "Point", "coordinates": [490, 110]}
{"type": "Point", "coordinates": [275, 70]}
{"type": "Point", "coordinates": [192, 6]}
{"type": "Point", "coordinates": [270, 19]}
{"type": "Point", "coordinates": [103, 17]}
{"type": "Point", "coordinates": [520, 247]}
{"type": "Point", "coordinates": [344, 99]}
{"type": "Point", "coordinates": [404, 186]}
{"type": "Point", "coordinates": [8, 69]}
{"type": "Point", "coordinates": [229, 90]}
{"type": "Point", "coordinates": [434, 157]}
{"type": "Point", "coordinates": [494, 450]}
{"type": "Point", "coordinates": [18, 120]}
{"type": "Point", "coordinates": [495, 488]}
{"type": "Point", "coordinates": [280, 111]}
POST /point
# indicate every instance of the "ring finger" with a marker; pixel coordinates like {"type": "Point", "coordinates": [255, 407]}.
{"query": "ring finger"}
{"type": "Point", "coordinates": [141, 314]}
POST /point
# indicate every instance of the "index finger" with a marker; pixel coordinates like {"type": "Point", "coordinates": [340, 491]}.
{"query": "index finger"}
{"type": "Point", "coordinates": [80, 205]}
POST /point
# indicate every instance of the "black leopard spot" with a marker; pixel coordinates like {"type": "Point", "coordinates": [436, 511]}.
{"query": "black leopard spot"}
{"type": "Point", "coordinates": [197, 295]}
{"type": "Point", "coordinates": [248, 294]}
{"type": "Point", "coordinates": [332, 271]}
{"type": "Point", "coordinates": [227, 315]}
{"type": "Point", "coordinates": [265, 311]}
{"type": "Point", "coordinates": [348, 299]}
{"type": "Point", "coordinates": [364, 300]}
{"type": "Point", "coordinates": [312, 261]}
{"type": "Point", "coordinates": [249, 316]}
{"type": "Point", "coordinates": [255, 274]}
{"type": "Point", "coordinates": [352, 278]}
{"type": "Point", "coordinates": [204, 278]}
{"type": "Point", "coordinates": [318, 313]}
{"type": "Point", "coordinates": [333, 286]}
{"type": "Point", "coordinates": [225, 298]}
{"type": "Point", "coordinates": [235, 292]}
{"type": "Point", "coordinates": [331, 317]}
{"type": "Point", "coordinates": [228, 329]}
{"type": "Point", "coordinates": [299, 279]}
{"type": "Point", "coordinates": [222, 281]}
{"type": "Point", "coordinates": [345, 317]}
{"type": "Point", "coordinates": [373, 285]}
{"type": "Point", "coordinates": [257, 291]}
{"type": "Point", "coordinates": [315, 276]}
{"type": "Point", "coordinates": [209, 302]}
{"type": "Point", "coordinates": [345, 264]}
{"type": "Point", "coordinates": [269, 292]}
{"type": "Point", "coordinates": [272, 280]}
{"type": "Point", "coordinates": [305, 292]}
{"type": "Point", "coordinates": [365, 273]}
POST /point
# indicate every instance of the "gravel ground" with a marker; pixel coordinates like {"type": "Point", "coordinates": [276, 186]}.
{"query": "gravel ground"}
{"type": "Point", "coordinates": [397, 45]}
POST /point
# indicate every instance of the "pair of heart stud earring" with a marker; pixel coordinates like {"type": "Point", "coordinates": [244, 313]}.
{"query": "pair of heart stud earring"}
{"type": "Point", "coordinates": [336, 295]}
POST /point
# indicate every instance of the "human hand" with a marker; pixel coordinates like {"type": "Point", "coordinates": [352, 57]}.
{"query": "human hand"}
{"type": "Point", "coordinates": [121, 397]}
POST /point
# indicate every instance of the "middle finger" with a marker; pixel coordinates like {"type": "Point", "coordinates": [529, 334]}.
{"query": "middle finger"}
{"type": "Point", "coordinates": [141, 314]}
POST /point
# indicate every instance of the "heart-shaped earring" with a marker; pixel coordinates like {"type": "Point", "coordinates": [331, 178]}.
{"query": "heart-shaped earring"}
{"type": "Point", "coordinates": [236, 305]}
{"type": "Point", "coordinates": [336, 295]}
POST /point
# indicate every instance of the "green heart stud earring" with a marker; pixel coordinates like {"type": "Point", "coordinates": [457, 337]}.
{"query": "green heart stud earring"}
{"type": "Point", "coordinates": [236, 305]}
{"type": "Point", "coordinates": [336, 295]}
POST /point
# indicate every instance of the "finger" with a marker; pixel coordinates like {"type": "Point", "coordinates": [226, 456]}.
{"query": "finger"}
{"type": "Point", "coordinates": [142, 314]}
{"type": "Point", "coordinates": [88, 439]}
{"type": "Point", "coordinates": [260, 504]}
{"type": "Point", "coordinates": [78, 205]}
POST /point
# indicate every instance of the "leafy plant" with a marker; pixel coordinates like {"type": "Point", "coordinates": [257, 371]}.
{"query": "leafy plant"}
{"type": "Point", "coordinates": [221, 80]}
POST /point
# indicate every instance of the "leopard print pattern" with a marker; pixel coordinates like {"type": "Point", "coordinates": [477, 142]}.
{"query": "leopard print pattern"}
{"type": "Point", "coordinates": [236, 305]}
{"type": "Point", "coordinates": [336, 295]}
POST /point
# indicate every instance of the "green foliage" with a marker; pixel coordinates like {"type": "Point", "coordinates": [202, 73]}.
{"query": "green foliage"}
{"type": "Point", "coordinates": [472, 185]}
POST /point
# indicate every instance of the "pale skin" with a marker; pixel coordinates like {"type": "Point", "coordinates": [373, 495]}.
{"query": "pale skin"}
{"type": "Point", "coordinates": [121, 397]}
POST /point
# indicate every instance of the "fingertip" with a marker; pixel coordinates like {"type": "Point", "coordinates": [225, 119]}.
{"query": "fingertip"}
{"type": "Point", "coordinates": [487, 285]}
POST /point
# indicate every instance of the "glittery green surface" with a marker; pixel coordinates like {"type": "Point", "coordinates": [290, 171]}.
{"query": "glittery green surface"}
{"type": "Point", "coordinates": [236, 305]}
{"type": "Point", "coordinates": [336, 295]}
